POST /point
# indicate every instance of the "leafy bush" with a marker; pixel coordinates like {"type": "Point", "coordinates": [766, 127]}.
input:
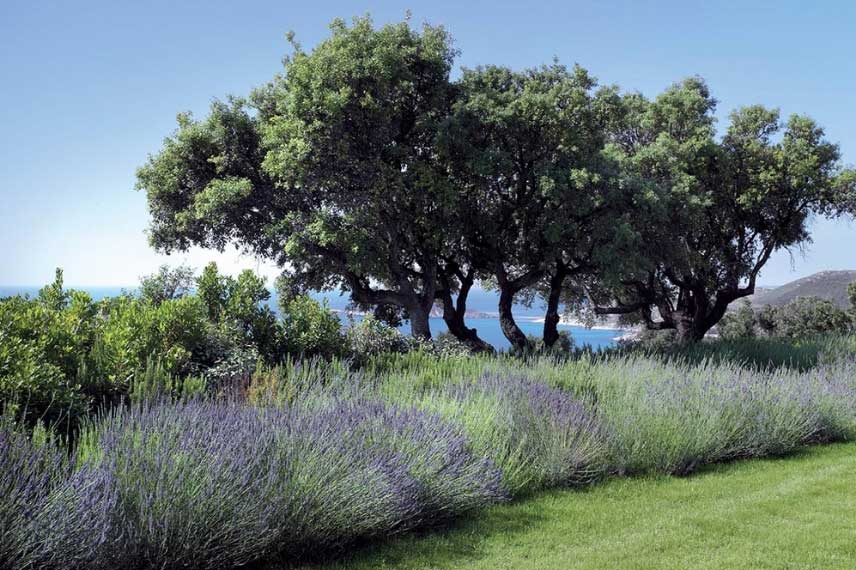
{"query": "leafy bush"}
{"type": "Point", "coordinates": [311, 329]}
{"type": "Point", "coordinates": [155, 383]}
{"type": "Point", "coordinates": [739, 324]}
{"type": "Point", "coordinates": [166, 284]}
{"type": "Point", "coordinates": [807, 316]}
{"type": "Point", "coordinates": [232, 371]}
{"type": "Point", "coordinates": [240, 305]}
{"type": "Point", "coordinates": [652, 340]}
{"type": "Point", "coordinates": [371, 337]}
{"type": "Point", "coordinates": [564, 346]}
{"type": "Point", "coordinates": [446, 345]}
{"type": "Point", "coordinates": [176, 331]}
{"type": "Point", "coordinates": [44, 342]}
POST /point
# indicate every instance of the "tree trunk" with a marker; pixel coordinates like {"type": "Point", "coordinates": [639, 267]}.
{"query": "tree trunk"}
{"type": "Point", "coordinates": [509, 326]}
{"type": "Point", "coordinates": [454, 315]}
{"type": "Point", "coordinates": [419, 324]}
{"type": "Point", "coordinates": [692, 326]}
{"type": "Point", "coordinates": [552, 317]}
{"type": "Point", "coordinates": [508, 288]}
{"type": "Point", "coordinates": [684, 326]}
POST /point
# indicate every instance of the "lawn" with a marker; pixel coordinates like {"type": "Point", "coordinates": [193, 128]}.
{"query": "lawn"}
{"type": "Point", "coordinates": [793, 513]}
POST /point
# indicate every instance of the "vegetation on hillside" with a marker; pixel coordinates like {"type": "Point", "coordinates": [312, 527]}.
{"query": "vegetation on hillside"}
{"type": "Point", "coordinates": [63, 355]}
{"type": "Point", "coordinates": [801, 318]}
{"type": "Point", "coordinates": [831, 285]}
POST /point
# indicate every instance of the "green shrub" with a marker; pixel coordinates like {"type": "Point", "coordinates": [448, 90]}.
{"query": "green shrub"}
{"type": "Point", "coordinates": [166, 284]}
{"type": "Point", "coordinates": [654, 340]}
{"type": "Point", "coordinates": [446, 345]}
{"type": "Point", "coordinates": [564, 346]}
{"type": "Point", "coordinates": [32, 386]}
{"type": "Point", "coordinates": [370, 337]}
{"type": "Point", "coordinates": [154, 382]}
{"type": "Point", "coordinates": [176, 331]}
{"type": "Point", "coordinates": [240, 306]}
{"type": "Point", "coordinates": [738, 324]}
{"type": "Point", "coordinates": [311, 329]}
{"type": "Point", "coordinates": [44, 342]}
{"type": "Point", "coordinates": [807, 316]}
{"type": "Point", "coordinates": [233, 370]}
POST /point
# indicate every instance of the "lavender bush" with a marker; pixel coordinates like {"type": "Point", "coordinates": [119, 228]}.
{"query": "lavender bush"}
{"type": "Point", "coordinates": [539, 436]}
{"type": "Point", "coordinates": [674, 417]}
{"type": "Point", "coordinates": [317, 457]}
{"type": "Point", "coordinates": [222, 484]}
{"type": "Point", "coordinates": [29, 469]}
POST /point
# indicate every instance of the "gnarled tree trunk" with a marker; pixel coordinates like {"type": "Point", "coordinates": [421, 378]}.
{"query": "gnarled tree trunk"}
{"type": "Point", "coordinates": [419, 321]}
{"type": "Point", "coordinates": [508, 288]}
{"type": "Point", "coordinates": [552, 317]}
{"type": "Point", "coordinates": [692, 313]}
{"type": "Point", "coordinates": [454, 312]}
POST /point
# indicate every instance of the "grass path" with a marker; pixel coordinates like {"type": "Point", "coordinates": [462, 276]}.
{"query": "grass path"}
{"type": "Point", "coordinates": [795, 513]}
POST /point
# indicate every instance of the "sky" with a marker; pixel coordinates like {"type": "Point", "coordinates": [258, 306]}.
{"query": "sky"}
{"type": "Point", "coordinates": [91, 88]}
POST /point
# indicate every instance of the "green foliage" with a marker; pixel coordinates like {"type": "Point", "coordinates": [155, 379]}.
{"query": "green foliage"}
{"type": "Point", "coordinates": [166, 284]}
{"type": "Point", "coordinates": [760, 352]}
{"type": "Point", "coordinates": [61, 354]}
{"type": "Point", "coordinates": [716, 208]}
{"type": "Point", "coordinates": [370, 337]}
{"type": "Point", "coordinates": [445, 346]}
{"type": "Point", "coordinates": [155, 382]}
{"type": "Point", "coordinates": [296, 380]}
{"type": "Point", "coordinates": [232, 370]}
{"type": "Point", "coordinates": [655, 340]}
{"type": "Point", "coordinates": [311, 329]}
{"type": "Point", "coordinates": [345, 128]}
{"type": "Point", "coordinates": [805, 317]}
{"type": "Point", "coordinates": [851, 295]}
{"type": "Point", "coordinates": [239, 305]}
{"type": "Point", "coordinates": [54, 296]}
{"type": "Point", "coordinates": [43, 344]}
{"type": "Point", "coordinates": [363, 166]}
{"type": "Point", "coordinates": [32, 386]}
{"type": "Point", "coordinates": [213, 289]}
{"type": "Point", "coordinates": [739, 324]}
{"type": "Point", "coordinates": [564, 346]}
{"type": "Point", "coordinates": [176, 331]}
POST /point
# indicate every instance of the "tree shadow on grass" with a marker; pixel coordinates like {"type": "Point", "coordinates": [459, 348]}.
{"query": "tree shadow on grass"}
{"type": "Point", "coordinates": [453, 545]}
{"type": "Point", "coordinates": [755, 353]}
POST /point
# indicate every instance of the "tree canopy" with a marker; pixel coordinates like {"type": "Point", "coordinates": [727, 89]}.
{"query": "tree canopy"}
{"type": "Point", "coordinates": [365, 167]}
{"type": "Point", "coordinates": [722, 206]}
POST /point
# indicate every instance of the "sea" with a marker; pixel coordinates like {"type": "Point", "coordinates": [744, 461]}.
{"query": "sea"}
{"type": "Point", "coordinates": [480, 301]}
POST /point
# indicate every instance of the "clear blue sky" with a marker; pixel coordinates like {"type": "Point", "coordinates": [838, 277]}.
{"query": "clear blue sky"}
{"type": "Point", "coordinates": [90, 88]}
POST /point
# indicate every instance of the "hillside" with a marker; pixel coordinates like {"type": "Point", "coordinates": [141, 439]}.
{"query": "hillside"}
{"type": "Point", "coordinates": [825, 284]}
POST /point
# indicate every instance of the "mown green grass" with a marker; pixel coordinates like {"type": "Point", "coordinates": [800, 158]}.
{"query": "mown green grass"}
{"type": "Point", "coordinates": [794, 513]}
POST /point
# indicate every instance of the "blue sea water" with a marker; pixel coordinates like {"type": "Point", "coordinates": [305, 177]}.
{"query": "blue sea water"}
{"type": "Point", "coordinates": [479, 301]}
{"type": "Point", "coordinates": [490, 331]}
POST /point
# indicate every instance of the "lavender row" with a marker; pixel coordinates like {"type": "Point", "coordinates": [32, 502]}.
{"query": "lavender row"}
{"type": "Point", "coordinates": [223, 484]}
{"type": "Point", "coordinates": [220, 484]}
